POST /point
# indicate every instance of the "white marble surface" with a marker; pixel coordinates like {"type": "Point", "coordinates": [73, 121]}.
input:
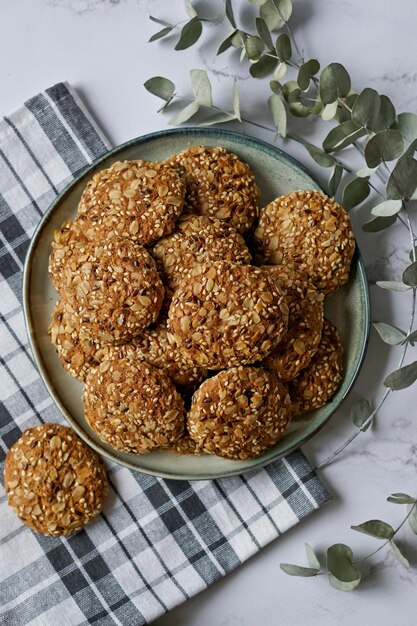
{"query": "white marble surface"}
{"type": "Point", "coordinates": [100, 47]}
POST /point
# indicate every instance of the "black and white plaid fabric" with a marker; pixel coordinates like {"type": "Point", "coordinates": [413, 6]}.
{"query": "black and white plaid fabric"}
{"type": "Point", "coordinates": [159, 541]}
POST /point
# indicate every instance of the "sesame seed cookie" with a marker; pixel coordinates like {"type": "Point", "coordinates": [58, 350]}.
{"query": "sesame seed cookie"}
{"type": "Point", "coordinates": [318, 383]}
{"type": "Point", "coordinates": [197, 239]}
{"type": "Point", "coordinates": [239, 413]}
{"type": "Point", "coordinates": [139, 200]}
{"type": "Point", "coordinates": [114, 288]}
{"type": "Point", "coordinates": [225, 314]}
{"type": "Point", "coordinates": [132, 406]}
{"type": "Point", "coordinates": [185, 446]}
{"type": "Point", "coordinates": [69, 239]}
{"type": "Point", "coordinates": [54, 482]}
{"type": "Point", "coordinates": [305, 323]}
{"type": "Point", "coordinates": [218, 184]}
{"type": "Point", "coordinates": [309, 231]}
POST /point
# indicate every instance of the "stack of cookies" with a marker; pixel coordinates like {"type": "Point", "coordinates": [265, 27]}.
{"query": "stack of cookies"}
{"type": "Point", "coordinates": [194, 319]}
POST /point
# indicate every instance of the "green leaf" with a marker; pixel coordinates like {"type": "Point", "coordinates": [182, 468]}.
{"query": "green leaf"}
{"type": "Point", "coordinates": [403, 180]}
{"type": "Point", "coordinates": [411, 337]}
{"type": "Point", "coordinates": [280, 71]}
{"type": "Point", "coordinates": [254, 47]}
{"type": "Point", "coordinates": [263, 67]}
{"type": "Point", "coordinates": [298, 570]}
{"type": "Point", "coordinates": [329, 111]}
{"type": "Point", "coordinates": [399, 555]}
{"type": "Point", "coordinates": [191, 12]}
{"type": "Point", "coordinates": [229, 13]}
{"type": "Point", "coordinates": [410, 275]}
{"type": "Point", "coordinates": [335, 178]}
{"type": "Point", "coordinates": [386, 145]}
{"type": "Point", "coordinates": [185, 114]}
{"type": "Point", "coordinates": [298, 109]}
{"type": "Point", "coordinates": [312, 559]}
{"type": "Point", "coordinates": [226, 44]}
{"type": "Point", "coordinates": [162, 22]}
{"type": "Point", "coordinates": [387, 208]}
{"type": "Point", "coordinates": [236, 100]}
{"type": "Point", "coordinates": [386, 117]}
{"type": "Point", "coordinates": [190, 33]}
{"type": "Point", "coordinates": [376, 224]}
{"type": "Point", "coordinates": [344, 112]}
{"type": "Point", "coordinates": [276, 87]}
{"type": "Point", "coordinates": [402, 378]}
{"type": "Point", "coordinates": [412, 520]}
{"type": "Point", "coordinates": [366, 109]}
{"type": "Point", "coordinates": [306, 71]}
{"type": "Point", "coordinates": [401, 498]}
{"type": "Point", "coordinates": [407, 125]}
{"type": "Point", "coordinates": [238, 39]}
{"type": "Point", "coordinates": [376, 528]}
{"type": "Point", "coordinates": [391, 335]}
{"type": "Point", "coordinates": [160, 34]}
{"type": "Point", "coordinates": [283, 47]}
{"type": "Point", "coordinates": [279, 114]}
{"type": "Point", "coordinates": [264, 33]}
{"type": "Point", "coordinates": [355, 192]}
{"type": "Point", "coordinates": [343, 574]}
{"type": "Point", "coordinates": [161, 87]}
{"type": "Point", "coordinates": [360, 412]}
{"type": "Point", "coordinates": [221, 117]}
{"type": "Point", "coordinates": [392, 285]}
{"type": "Point", "coordinates": [343, 135]}
{"type": "Point", "coordinates": [319, 156]}
{"type": "Point", "coordinates": [201, 87]}
{"type": "Point", "coordinates": [257, 2]}
{"type": "Point", "coordinates": [334, 83]}
{"type": "Point", "coordinates": [276, 13]}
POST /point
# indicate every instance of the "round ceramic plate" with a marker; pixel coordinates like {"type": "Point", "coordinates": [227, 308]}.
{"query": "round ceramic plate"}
{"type": "Point", "coordinates": [276, 174]}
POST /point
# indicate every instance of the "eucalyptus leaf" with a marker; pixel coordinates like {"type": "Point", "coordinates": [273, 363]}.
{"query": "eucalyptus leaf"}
{"type": "Point", "coordinates": [412, 520]}
{"type": "Point", "coordinates": [312, 558]}
{"type": "Point", "coordinates": [276, 87]}
{"type": "Point", "coordinates": [190, 33]}
{"type": "Point", "coordinates": [343, 574]}
{"type": "Point", "coordinates": [257, 3]}
{"type": "Point", "coordinates": [412, 337]}
{"type": "Point", "coordinates": [298, 109]}
{"type": "Point", "coordinates": [329, 111]}
{"type": "Point", "coordinates": [276, 13]}
{"type": "Point", "coordinates": [410, 275]}
{"type": "Point", "coordinates": [236, 100]}
{"type": "Point", "coordinates": [366, 171]}
{"type": "Point", "coordinates": [222, 117]}
{"type": "Point", "coordinates": [407, 125]}
{"type": "Point", "coordinates": [160, 34]}
{"type": "Point", "coordinates": [392, 285]}
{"type": "Point", "coordinates": [402, 378]}
{"type": "Point", "coordinates": [386, 145]}
{"type": "Point", "coordinates": [191, 12]}
{"type": "Point", "coordinates": [343, 135]}
{"type": "Point", "coordinates": [366, 109]}
{"type": "Point", "coordinates": [401, 498]}
{"type": "Point", "coordinates": [305, 73]}
{"type": "Point", "coordinates": [162, 22]}
{"type": "Point", "coordinates": [283, 47]}
{"type": "Point", "coordinates": [238, 39]}
{"type": "Point", "coordinates": [201, 87]}
{"type": "Point", "coordinates": [319, 156]}
{"type": "Point", "coordinates": [391, 335]}
{"type": "Point", "coordinates": [360, 413]}
{"type": "Point", "coordinates": [386, 117]}
{"type": "Point", "coordinates": [280, 71]}
{"type": "Point", "coordinates": [185, 114]}
{"type": "Point", "coordinates": [298, 570]}
{"type": "Point", "coordinates": [335, 178]}
{"type": "Point", "coordinates": [334, 83]}
{"type": "Point", "coordinates": [289, 88]}
{"type": "Point", "coordinates": [263, 67]}
{"type": "Point", "coordinates": [344, 112]}
{"type": "Point", "coordinates": [403, 180]}
{"type": "Point", "coordinates": [226, 44]}
{"type": "Point", "coordinates": [229, 13]}
{"type": "Point", "coordinates": [264, 33]}
{"type": "Point", "coordinates": [161, 87]}
{"type": "Point", "coordinates": [399, 555]}
{"type": "Point", "coordinates": [376, 528]}
{"type": "Point", "coordinates": [387, 208]}
{"type": "Point", "coordinates": [254, 47]}
{"type": "Point", "coordinates": [411, 149]}
{"type": "Point", "coordinates": [376, 224]}
{"type": "Point", "coordinates": [413, 253]}
{"type": "Point", "coordinates": [279, 114]}
{"type": "Point", "coordinates": [355, 192]}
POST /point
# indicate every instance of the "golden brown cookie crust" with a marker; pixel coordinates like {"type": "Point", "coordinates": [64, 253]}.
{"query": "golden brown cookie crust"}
{"type": "Point", "coordinates": [218, 184]}
{"type": "Point", "coordinates": [225, 314]}
{"type": "Point", "coordinates": [239, 413]}
{"type": "Point", "coordinates": [308, 231]}
{"type": "Point", "coordinates": [320, 380]}
{"type": "Point", "coordinates": [305, 323]}
{"type": "Point", "coordinates": [69, 239]}
{"type": "Point", "coordinates": [139, 200]}
{"type": "Point", "coordinates": [114, 288]}
{"type": "Point", "coordinates": [132, 406]}
{"type": "Point", "coordinates": [54, 482]}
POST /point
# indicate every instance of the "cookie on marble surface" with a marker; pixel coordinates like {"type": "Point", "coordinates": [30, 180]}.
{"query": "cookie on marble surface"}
{"type": "Point", "coordinates": [225, 314]}
{"type": "Point", "coordinates": [219, 185]}
{"type": "Point", "coordinates": [139, 200]}
{"type": "Point", "coordinates": [239, 413]}
{"type": "Point", "coordinates": [320, 380]}
{"type": "Point", "coordinates": [305, 323]}
{"type": "Point", "coordinates": [132, 406]}
{"type": "Point", "coordinates": [308, 231]}
{"type": "Point", "coordinates": [54, 482]}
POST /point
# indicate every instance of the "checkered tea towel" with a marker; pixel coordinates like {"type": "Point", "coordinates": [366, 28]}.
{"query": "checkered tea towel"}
{"type": "Point", "coordinates": [158, 542]}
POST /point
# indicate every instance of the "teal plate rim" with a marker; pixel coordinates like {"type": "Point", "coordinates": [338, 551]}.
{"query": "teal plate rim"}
{"type": "Point", "coordinates": [273, 151]}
